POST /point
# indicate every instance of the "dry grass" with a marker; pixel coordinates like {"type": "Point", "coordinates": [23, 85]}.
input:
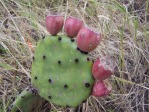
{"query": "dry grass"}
{"type": "Point", "coordinates": [126, 40]}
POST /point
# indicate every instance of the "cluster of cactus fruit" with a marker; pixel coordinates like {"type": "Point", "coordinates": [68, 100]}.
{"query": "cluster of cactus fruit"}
{"type": "Point", "coordinates": [61, 72]}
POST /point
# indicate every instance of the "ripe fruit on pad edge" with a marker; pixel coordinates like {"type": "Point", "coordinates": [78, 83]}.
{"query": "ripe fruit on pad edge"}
{"type": "Point", "coordinates": [54, 23]}
{"type": "Point", "coordinates": [88, 40]}
{"type": "Point", "coordinates": [102, 68]}
{"type": "Point", "coordinates": [72, 26]}
{"type": "Point", "coordinates": [101, 88]}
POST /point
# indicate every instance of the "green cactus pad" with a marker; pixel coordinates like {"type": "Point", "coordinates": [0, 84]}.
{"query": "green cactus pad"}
{"type": "Point", "coordinates": [60, 72]}
{"type": "Point", "coordinates": [26, 102]}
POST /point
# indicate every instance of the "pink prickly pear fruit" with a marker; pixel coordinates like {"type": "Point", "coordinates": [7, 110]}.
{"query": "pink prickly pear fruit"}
{"type": "Point", "coordinates": [101, 88]}
{"type": "Point", "coordinates": [72, 26]}
{"type": "Point", "coordinates": [54, 23]}
{"type": "Point", "coordinates": [88, 40]}
{"type": "Point", "coordinates": [102, 68]}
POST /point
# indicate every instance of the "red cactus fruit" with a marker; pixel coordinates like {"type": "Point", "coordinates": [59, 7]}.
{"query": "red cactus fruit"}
{"type": "Point", "coordinates": [102, 68]}
{"type": "Point", "coordinates": [101, 88]}
{"type": "Point", "coordinates": [72, 26]}
{"type": "Point", "coordinates": [54, 23]}
{"type": "Point", "coordinates": [87, 40]}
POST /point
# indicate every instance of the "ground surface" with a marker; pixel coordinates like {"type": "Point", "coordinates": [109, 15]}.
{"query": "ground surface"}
{"type": "Point", "coordinates": [125, 28]}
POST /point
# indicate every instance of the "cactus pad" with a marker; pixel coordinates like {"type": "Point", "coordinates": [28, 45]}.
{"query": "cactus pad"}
{"type": "Point", "coordinates": [60, 72]}
{"type": "Point", "coordinates": [27, 101]}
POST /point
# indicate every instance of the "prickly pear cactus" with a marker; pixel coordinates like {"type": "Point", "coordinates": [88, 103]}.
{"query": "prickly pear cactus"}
{"type": "Point", "coordinates": [61, 72]}
{"type": "Point", "coordinates": [27, 101]}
